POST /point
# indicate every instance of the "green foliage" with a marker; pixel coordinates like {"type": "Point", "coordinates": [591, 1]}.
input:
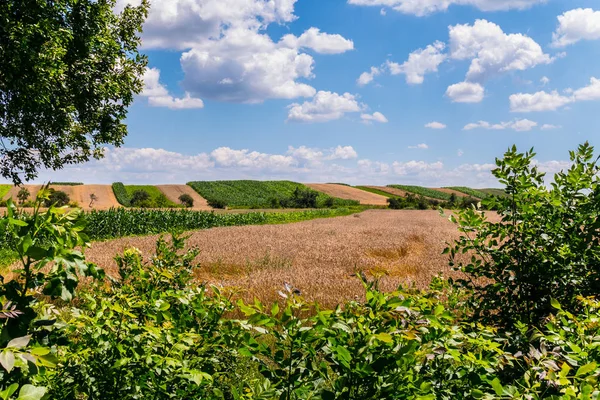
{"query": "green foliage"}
{"type": "Point", "coordinates": [121, 194]}
{"type": "Point", "coordinates": [66, 183]}
{"type": "Point", "coordinates": [376, 191]}
{"type": "Point", "coordinates": [159, 337]}
{"type": "Point", "coordinates": [494, 192]}
{"type": "Point", "coordinates": [263, 194]}
{"type": "Point", "coordinates": [186, 200]}
{"type": "Point", "coordinates": [23, 195]}
{"type": "Point", "coordinates": [4, 189]}
{"type": "Point", "coordinates": [69, 70]}
{"type": "Point", "coordinates": [546, 245]}
{"type": "Point", "coordinates": [422, 191]}
{"type": "Point", "coordinates": [122, 222]}
{"type": "Point", "coordinates": [47, 246]}
{"type": "Point", "coordinates": [412, 202]}
{"type": "Point", "coordinates": [57, 198]}
{"type": "Point", "coordinates": [478, 194]}
{"type": "Point", "coordinates": [148, 197]}
{"type": "Point", "coordinates": [140, 198]}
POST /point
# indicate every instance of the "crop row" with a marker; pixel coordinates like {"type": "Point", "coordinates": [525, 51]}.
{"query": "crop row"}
{"type": "Point", "coordinates": [122, 222]}
{"type": "Point", "coordinates": [423, 191]}
{"type": "Point", "coordinates": [257, 194]}
{"type": "Point", "coordinates": [468, 191]}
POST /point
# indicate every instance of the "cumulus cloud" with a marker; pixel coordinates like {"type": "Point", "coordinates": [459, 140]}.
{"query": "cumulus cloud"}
{"type": "Point", "coordinates": [421, 146]}
{"type": "Point", "coordinates": [367, 77]}
{"type": "Point", "coordinates": [375, 117]}
{"type": "Point", "coordinates": [228, 54]}
{"type": "Point", "coordinates": [425, 7]}
{"type": "Point", "coordinates": [324, 107]}
{"type": "Point", "coordinates": [544, 101]}
{"type": "Point", "coordinates": [158, 95]}
{"type": "Point", "coordinates": [435, 125]}
{"type": "Point", "coordinates": [522, 125]}
{"type": "Point", "coordinates": [466, 92]}
{"type": "Point", "coordinates": [545, 80]}
{"type": "Point", "coordinates": [575, 25]}
{"type": "Point", "coordinates": [492, 51]}
{"type": "Point", "coordinates": [419, 63]}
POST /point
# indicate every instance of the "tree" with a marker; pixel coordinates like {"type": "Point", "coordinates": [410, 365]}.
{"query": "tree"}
{"type": "Point", "coordinates": [186, 200]}
{"type": "Point", "coordinates": [93, 198]}
{"type": "Point", "coordinates": [23, 195]}
{"type": "Point", "coordinates": [140, 198]}
{"type": "Point", "coordinates": [69, 69]}
{"type": "Point", "coordinates": [57, 198]}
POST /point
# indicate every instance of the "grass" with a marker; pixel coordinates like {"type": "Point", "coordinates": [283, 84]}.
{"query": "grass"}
{"type": "Point", "coordinates": [7, 258]}
{"type": "Point", "coordinates": [471, 192]}
{"type": "Point", "coordinates": [494, 192]}
{"type": "Point", "coordinates": [376, 191]}
{"type": "Point", "coordinates": [4, 189]}
{"type": "Point", "coordinates": [123, 193]}
{"type": "Point", "coordinates": [423, 191]}
{"type": "Point", "coordinates": [255, 194]}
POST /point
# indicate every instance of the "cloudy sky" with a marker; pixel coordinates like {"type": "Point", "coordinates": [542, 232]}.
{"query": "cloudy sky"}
{"type": "Point", "coordinates": [359, 91]}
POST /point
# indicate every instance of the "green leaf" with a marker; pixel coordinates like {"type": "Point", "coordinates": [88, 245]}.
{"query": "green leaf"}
{"type": "Point", "coordinates": [6, 393]}
{"type": "Point", "coordinates": [30, 392]}
{"type": "Point", "coordinates": [275, 309]}
{"type": "Point", "coordinates": [586, 369]}
{"type": "Point", "coordinates": [497, 386]}
{"type": "Point", "coordinates": [384, 337]}
{"type": "Point", "coordinates": [555, 304]}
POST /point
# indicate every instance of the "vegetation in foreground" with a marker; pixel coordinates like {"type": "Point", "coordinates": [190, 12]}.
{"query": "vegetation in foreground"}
{"type": "Point", "coordinates": [529, 330]}
{"type": "Point", "coordinates": [268, 194]}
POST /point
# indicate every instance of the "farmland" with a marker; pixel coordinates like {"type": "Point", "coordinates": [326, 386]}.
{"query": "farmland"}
{"type": "Point", "coordinates": [470, 192]}
{"type": "Point", "coordinates": [423, 191]}
{"type": "Point", "coordinates": [349, 193]}
{"type": "Point", "coordinates": [257, 194]}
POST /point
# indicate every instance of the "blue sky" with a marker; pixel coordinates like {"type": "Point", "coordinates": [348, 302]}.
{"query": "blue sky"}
{"type": "Point", "coordinates": [270, 89]}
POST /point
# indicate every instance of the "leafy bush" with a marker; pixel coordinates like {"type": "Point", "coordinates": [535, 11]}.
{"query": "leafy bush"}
{"type": "Point", "coordinates": [57, 198]}
{"type": "Point", "coordinates": [186, 200]}
{"type": "Point", "coordinates": [219, 204]}
{"type": "Point", "coordinates": [546, 245]}
{"type": "Point", "coordinates": [422, 191]}
{"type": "Point", "coordinates": [468, 191]}
{"type": "Point", "coordinates": [23, 195]}
{"type": "Point", "coordinates": [140, 198]}
{"type": "Point", "coordinates": [121, 194]}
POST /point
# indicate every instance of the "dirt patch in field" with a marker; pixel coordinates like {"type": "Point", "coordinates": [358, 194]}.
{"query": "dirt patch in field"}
{"type": "Point", "coordinates": [79, 194]}
{"type": "Point", "coordinates": [174, 191]}
{"type": "Point", "coordinates": [349, 193]}
{"type": "Point", "coordinates": [318, 257]}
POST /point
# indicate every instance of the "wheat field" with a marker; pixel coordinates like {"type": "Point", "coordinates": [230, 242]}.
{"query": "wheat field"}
{"type": "Point", "coordinates": [318, 257]}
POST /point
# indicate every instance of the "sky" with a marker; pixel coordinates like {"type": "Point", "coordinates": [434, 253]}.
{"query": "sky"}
{"type": "Point", "coordinates": [426, 92]}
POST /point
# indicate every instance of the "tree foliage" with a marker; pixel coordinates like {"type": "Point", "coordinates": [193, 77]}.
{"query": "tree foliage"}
{"type": "Point", "coordinates": [68, 71]}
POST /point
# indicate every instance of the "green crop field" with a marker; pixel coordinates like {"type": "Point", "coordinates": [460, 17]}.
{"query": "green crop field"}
{"type": "Point", "coordinates": [256, 194]}
{"type": "Point", "coordinates": [471, 192]}
{"type": "Point", "coordinates": [423, 191]}
{"type": "Point", "coordinates": [4, 189]}
{"type": "Point", "coordinates": [494, 192]}
{"type": "Point", "coordinates": [124, 194]}
{"type": "Point", "coordinates": [376, 191]}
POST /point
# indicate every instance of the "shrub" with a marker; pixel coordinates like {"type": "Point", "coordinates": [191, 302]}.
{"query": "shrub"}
{"type": "Point", "coordinates": [140, 198]}
{"type": "Point", "coordinates": [186, 200]}
{"type": "Point", "coordinates": [161, 201]}
{"type": "Point", "coordinates": [545, 246]}
{"type": "Point", "coordinates": [23, 195]}
{"type": "Point", "coordinates": [217, 203]}
{"type": "Point", "coordinates": [304, 198]}
{"type": "Point", "coordinates": [57, 198]}
{"type": "Point", "coordinates": [121, 194]}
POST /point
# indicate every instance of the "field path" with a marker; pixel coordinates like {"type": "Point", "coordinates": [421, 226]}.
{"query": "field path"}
{"type": "Point", "coordinates": [174, 191]}
{"type": "Point", "coordinates": [349, 193]}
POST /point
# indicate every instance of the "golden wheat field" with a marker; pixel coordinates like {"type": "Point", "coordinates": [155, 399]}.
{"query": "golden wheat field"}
{"type": "Point", "coordinates": [318, 257]}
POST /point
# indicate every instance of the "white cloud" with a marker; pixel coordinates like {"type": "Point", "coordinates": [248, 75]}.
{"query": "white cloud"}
{"type": "Point", "coordinates": [419, 63]}
{"type": "Point", "coordinates": [460, 153]}
{"type": "Point", "coordinates": [492, 51]}
{"type": "Point", "coordinates": [466, 92]}
{"type": "Point", "coordinates": [548, 127]}
{"type": "Point", "coordinates": [325, 106]}
{"type": "Point", "coordinates": [375, 117]}
{"type": "Point", "coordinates": [342, 153]}
{"type": "Point", "coordinates": [383, 12]}
{"type": "Point", "coordinates": [522, 125]}
{"type": "Point", "coordinates": [544, 101]}
{"type": "Point", "coordinates": [545, 80]}
{"type": "Point", "coordinates": [228, 55]}
{"type": "Point", "coordinates": [425, 7]}
{"type": "Point", "coordinates": [158, 95]}
{"type": "Point", "coordinates": [367, 77]}
{"type": "Point", "coordinates": [576, 25]}
{"type": "Point", "coordinates": [421, 146]}
{"type": "Point", "coordinates": [322, 43]}
{"type": "Point", "coordinates": [435, 125]}
{"type": "Point", "coordinates": [415, 167]}
{"type": "Point", "coordinates": [540, 101]}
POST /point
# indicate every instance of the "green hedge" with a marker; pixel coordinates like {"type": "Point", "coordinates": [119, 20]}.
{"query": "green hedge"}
{"type": "Point", "coordinates": [121, 194]}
